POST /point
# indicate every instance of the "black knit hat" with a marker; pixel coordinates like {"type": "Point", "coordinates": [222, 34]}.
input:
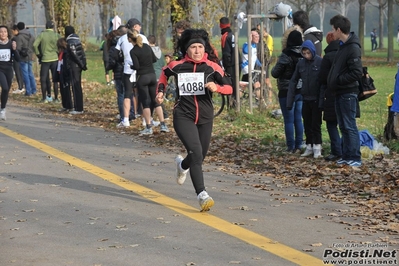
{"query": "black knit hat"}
{"type": "Point", "coordinates": [21, 25]}
{"type": "Point", "coordinates": [294, 39]}
{"type": "Point", "coordinates": [69, 30]}
{"type": "Point", "coordinates": [132, 22]}
{"type": "Point", "coordinates": [49, 24]}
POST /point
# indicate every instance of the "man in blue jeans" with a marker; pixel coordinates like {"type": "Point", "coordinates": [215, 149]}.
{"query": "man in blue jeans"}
{"type": "Point", "coordinates": [343, 79]}
{"type": "Point", "coordinates": [24, 41]}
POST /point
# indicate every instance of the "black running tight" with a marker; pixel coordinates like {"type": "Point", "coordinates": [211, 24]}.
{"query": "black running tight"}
{"type": "Point", "coordinates": [5, 83]}
{"type": "Point", "coordinates": [196, 139]}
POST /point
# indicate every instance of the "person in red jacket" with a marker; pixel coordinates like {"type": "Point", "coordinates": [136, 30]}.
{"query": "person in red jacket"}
{"type": "Point", "coordinates": [197, 78]}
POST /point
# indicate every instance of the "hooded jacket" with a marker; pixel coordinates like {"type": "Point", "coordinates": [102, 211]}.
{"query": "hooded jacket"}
{"type": "Point", "coordinates": [285, 67]}
{"type": "Point", "coordinates": [160, 63]}
{"type": "Point", "coordinates": [25, 40]}
{"type": "Point", "coordinates": [308, 71]}
{"type": "Point", "coordinates": [316, 36]}
{"type": "Point", "coordinates": [347, 68]}
{"type": "Point", "coordinates": [115, 59]}
{"type": "Point", "coordinates": [47, 40]}
{"type": "Point", "coordinates": [75, 50]}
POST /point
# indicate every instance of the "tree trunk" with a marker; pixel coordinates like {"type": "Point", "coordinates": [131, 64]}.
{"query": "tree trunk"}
{"type": "Point", "coordinates": [390, 31]}
{"type": "Point", "coordinates": [381, 7]}
{"type": "Point", "coordinates": [362, 11]}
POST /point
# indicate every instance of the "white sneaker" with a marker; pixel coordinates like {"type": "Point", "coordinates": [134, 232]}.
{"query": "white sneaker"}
{"type": "Point", "coordinates": [308, 151]}
{"type": "Point", "coordinates": [17, 91]}
{"type": "Point", "coordinates": [146, 131]}
{"type": "Point", "coordinates": [205, 201]}
{"type": "Point", "coordinates": [316, 151]}
{"type": "Point", "coordinates": [73, 112]}
{"type": "Point", "coordinates": [181, 174]}
{"type": "Point", "coordinates": [3, 114]}
{"type": "Point", "coordinates": [123, 124]}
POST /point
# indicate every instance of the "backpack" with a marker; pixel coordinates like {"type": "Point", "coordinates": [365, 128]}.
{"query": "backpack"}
{"type": "Point", "coordinates": [366, 86]}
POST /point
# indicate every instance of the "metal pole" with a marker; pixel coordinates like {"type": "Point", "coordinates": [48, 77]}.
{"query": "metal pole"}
{"type": "Point", "coordinates": [237, 65]}
{"type": "Point", "coordinates": [249, 62]}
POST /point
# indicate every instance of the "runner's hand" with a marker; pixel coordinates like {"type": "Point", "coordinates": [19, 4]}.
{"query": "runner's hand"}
{"type": "Point", "coordinates": [211, 86]}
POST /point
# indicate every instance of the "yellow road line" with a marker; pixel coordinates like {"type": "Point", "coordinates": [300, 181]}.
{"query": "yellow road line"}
{"type": "Point", "coordinates": [243, 234]}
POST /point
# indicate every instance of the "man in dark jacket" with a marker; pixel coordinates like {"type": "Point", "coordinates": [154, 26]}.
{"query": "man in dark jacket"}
{"type": "Point", "coordinates": [310, 32]}
{"type": "Point", "coordinates": [343, 79]}
{"type": "Point", "coordinates": [228, 53]}
{"type": "Point", "coordinates": [24, 41]}
{"type": "Point", "coordinates": [327, 99]}
{"type": "Point", "coordinates": [77, 64]}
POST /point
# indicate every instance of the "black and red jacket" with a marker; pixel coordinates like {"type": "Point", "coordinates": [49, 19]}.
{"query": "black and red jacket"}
{"type": "Point", "coordinates": [196, 107]}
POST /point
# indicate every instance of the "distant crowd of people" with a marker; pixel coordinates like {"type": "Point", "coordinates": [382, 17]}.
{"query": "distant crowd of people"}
{"type": "Point", "coordinates": [62, 60]}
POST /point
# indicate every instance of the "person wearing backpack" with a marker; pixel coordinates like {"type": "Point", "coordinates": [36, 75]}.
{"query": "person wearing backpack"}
{"type": "Point", "coordinates": [24, 41]}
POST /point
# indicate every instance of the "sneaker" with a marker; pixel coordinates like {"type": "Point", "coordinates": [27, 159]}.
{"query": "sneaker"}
{"type": "Point", "coordinates": [164, 128]}
{"type": "Point", "coordinates": [205, 201]}
{"type": "Point", "coordinates": [317, 151]}
{"type": "Point", "coordinates": [146, 131]}
{"type": "Point", "coordinates": [73, 112]}
{"type": "Point", "coordinates": [308, 151]}
{"type": "Point", "coordinates": [155, 123]}
{"type": "Point", "coordinates": [112, 82]}
{"type": "Point", "coordinates": [354, 163]}
{"type": "Point", "coordinates": [57, 101]}
{"type": "Point", "coordinates": [3, 114]}
{"type": "Point", "coordinates": [49, 99]}
{"type": "Point", "coordinates": [181, 174]}
{"type": "Point", "coordinates": [118, 116]}
{"type": "Point", "coordinates": [17, 91]}
{"type": "Point", "coordinates": [123, 124]}
{"type": "Point", "coordinates": [342, 161]}
{"type": "Point", "coordinates": [63, 110]}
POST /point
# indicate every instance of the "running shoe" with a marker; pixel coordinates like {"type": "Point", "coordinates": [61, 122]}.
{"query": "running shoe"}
{"type": "Point", "coordinates": [123, 124]}
{"type": "Point", "coordinates": [354, 163]}
{"type": "Point", "coordinates": [146, 131]}
{"type": "Point", "coordinates": [205, 201]}
{"type": "Point", "coordinates": [164, 128]}
{"type": "Point", "coordinates": [3, 114]}
{"type": "Point", "coordinates": [181, 174]}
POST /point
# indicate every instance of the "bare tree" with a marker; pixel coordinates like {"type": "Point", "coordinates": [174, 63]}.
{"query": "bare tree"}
{"type": "Point", "coordinates": [362, 11]}
{"type": "Point", "coordinates": [390, 31]}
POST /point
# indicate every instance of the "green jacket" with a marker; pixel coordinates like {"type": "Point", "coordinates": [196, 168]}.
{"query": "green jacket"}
{"type": "Point", "coordinates": [45, 45]}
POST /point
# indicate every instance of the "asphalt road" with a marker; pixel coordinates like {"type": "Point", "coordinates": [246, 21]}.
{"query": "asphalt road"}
{"type": "Point", "coordinates": [77, 195]}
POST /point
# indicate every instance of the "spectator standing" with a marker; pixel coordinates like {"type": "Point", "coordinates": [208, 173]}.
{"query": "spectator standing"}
{"type": "Point", "coordinates": [63, 75]}
{"type": "Point", "coordinates": [104, 49]}
{"type": "Point", "coordinates": [373, 37]}
{"type": "Point", "coordinates": [77, 63]}
{"type": "Point", "coordinates": [250, 66]}
{"type": "Point", "coordinates": [16, 66]}
{"type": "Point", "coordinates": [158, 65]}
{"type": "Point", "coordinates": [343, 79]}
{"type": "Point", "coordinates": [115, 63]}
{"type": "Point", "coordinates": [327, 99]}
{"type": "Point", "coordinates": [283, 71]}
{"type": "Point", "coordinates": [45, 47]}
{"type": "Point", "coordinates": [308, 71]}
{"type": "Point", "coordinates": [129, 76]}
{"type": "Point", "coordinates": [177, 31]}
{"type": "Point", "coordinates": [8, 52]}
{"type": "Point", "coordinates": [193, 111]}
{"type": "Point", "coordinates": [310, 32]}
{"type": "Point", "coordinates": [228, 44]}
{"type": "Point", "coordinates": [24, 41]}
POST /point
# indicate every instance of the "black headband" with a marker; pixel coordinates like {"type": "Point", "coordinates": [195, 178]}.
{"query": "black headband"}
{"type": "Point", "coordinates": [196, 40]}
